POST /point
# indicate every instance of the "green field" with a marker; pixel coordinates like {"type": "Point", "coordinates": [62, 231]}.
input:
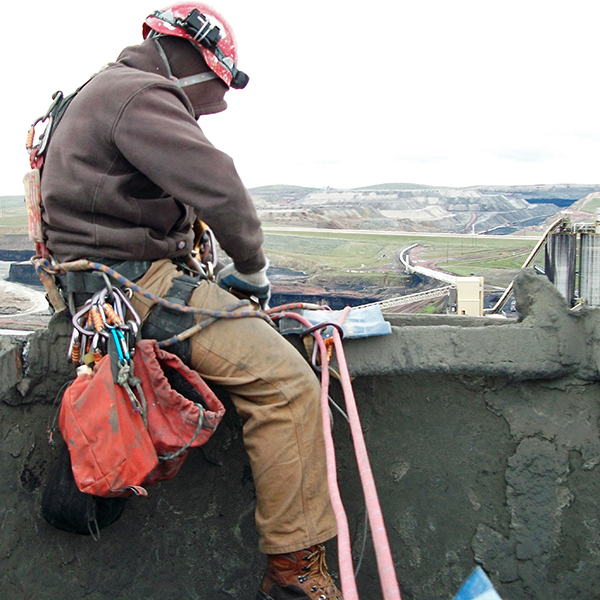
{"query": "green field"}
{"type": "Point", "coordinates": [592, 205]}
{"type": "Point", "coordinates": [13, 214]}
{"type": "Point", "coordinates": [369, 257]}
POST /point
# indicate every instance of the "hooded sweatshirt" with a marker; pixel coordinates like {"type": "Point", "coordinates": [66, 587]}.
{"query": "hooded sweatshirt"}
{"type": "Point", "coordinates": [128, 170]}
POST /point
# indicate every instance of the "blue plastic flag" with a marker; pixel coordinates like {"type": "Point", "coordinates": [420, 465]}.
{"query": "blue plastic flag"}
{"type": "Point", "coordinates": [477, 587]}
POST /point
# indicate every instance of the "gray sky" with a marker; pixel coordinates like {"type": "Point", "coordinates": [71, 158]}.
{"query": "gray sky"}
{"type": "Point", "coordinates": [348, 93]}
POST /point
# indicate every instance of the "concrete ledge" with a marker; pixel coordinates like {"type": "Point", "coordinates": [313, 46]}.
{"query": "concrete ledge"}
{"type": "Point", "coordinates": [548, 342]}
{"type": "Point", "coordinates": [42, 366]}
{"type": "Point", "coordinates": [11, 367]}
{"type": "Point", "coordinates": [484, 441]}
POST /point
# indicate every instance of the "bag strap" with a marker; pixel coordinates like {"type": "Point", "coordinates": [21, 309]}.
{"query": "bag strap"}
{"type": "Point", "coordinates": [181, 450]}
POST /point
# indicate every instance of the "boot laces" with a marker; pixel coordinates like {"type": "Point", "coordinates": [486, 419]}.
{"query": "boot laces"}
{"type": "Point", "coordinates": [316, 568]}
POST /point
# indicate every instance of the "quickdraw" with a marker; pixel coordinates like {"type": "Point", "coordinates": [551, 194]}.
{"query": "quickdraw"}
{"type": "Point", "coordinates": [101, 328]}
{"type": "Point", "coordinates": [126, 378]}
{"type": "Point", "coordinates": [103, 317]}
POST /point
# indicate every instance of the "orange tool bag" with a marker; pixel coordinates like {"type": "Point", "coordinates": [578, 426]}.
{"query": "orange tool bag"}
{"type": "Point", "coordinates": [119, 440]}
{"type": "Point", "coordinates": [118, 445]}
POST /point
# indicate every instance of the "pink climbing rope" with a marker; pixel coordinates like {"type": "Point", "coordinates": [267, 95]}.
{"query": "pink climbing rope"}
{"type": "Point", "coordinates": [383, 554]}
{"type": "Point", "coordinates": [347, 580]}
{"type": "Point", "coordinates": [385, 564]}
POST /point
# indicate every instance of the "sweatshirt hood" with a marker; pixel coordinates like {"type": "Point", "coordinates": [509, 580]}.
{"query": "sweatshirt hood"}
{"type": "Point", "coordinates": [184, 60]}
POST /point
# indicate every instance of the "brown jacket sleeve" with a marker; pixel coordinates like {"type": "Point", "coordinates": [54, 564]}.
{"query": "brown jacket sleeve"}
{"type": "Point", "coordinates": [156, 133]}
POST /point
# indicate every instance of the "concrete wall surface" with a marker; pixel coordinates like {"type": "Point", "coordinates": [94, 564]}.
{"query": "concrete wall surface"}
{"type": "Point", "coordinates": [484, 441]}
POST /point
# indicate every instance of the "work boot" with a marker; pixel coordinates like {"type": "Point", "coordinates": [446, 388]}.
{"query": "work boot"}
{"type": "Point", "coordinates": [300, 575]}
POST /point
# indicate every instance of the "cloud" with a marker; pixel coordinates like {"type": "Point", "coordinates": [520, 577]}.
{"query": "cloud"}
{"type": "Point", "coordinates": [433, 92]}
{"type": "Point", "coordinates": [524, 155]}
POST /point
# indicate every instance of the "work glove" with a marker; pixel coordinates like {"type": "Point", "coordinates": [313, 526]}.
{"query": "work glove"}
{"type": "Point", "coordinates": [251, 285]}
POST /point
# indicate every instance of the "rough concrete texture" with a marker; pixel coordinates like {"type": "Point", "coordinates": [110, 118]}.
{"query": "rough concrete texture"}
{"type": "Point", "coordinates": [549, 341]}
{"type": "Point", "coordinates": [484, 440]}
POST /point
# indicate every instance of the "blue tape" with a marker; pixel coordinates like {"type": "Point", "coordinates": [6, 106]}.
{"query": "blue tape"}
{"type": "Point", "coordinates": [477, 587]}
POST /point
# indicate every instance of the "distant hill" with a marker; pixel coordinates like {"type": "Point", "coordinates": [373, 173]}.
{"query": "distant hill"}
{"type": "Point", "coordinates": [267, 189]}
{"type": "Point", "coordinates": [398, 186]}
{"type": "Point", "coordinates": [394, 206]}
{"type": "Point", "coordinates": [269, 195]}
{"type": "Point", "coordinates": [415, 207]}
{"type": "Point", "coordinates": [562, 195]}
{"type": "Point", "coordinates": [11, 201]}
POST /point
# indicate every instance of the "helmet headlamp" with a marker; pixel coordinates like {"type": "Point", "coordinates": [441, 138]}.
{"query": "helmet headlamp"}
{"type": "Point", "coordinates": [201, 29]}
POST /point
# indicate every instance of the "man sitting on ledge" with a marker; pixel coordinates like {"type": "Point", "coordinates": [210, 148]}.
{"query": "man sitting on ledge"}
{"type": "Point", "coordinates": [127, 174]}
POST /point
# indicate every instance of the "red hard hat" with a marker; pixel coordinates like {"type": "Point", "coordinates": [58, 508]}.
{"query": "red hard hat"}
{"type": "Point", "coordinates": [204, 27]}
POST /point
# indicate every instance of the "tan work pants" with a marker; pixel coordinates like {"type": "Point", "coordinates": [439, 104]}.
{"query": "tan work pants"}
{"type": "Point", "coordinates": [277, 396]}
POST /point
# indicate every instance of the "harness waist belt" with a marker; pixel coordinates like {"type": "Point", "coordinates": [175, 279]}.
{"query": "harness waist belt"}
{"type": "Point", "coordinates": [85, 282]}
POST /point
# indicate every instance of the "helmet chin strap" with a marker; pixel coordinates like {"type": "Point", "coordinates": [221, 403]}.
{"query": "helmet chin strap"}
{"type": "Point", "coordinates": [183, 81]}
{"type": "Point", "coordinates": [194, 79]}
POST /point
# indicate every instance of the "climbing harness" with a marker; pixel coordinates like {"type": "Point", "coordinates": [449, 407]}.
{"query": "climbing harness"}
{"type": "Point", "coordinates": [48, 121]}
{"type": "Point", "coordinates": [36, 146]}
{"type": "Point", "coordinates": [163, 322]}
{"type": "Point", "coordinates": [96, 305]}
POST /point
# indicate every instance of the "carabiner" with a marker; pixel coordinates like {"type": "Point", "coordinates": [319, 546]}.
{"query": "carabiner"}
{"type": "Point", "coordinates": [74, 352]}
{"type": "Point", "coordinates": [56, 98]}
{"type": "Point", "coordinates": [128, 305]}
{"type": "Point", "coordinates": [78, 315]}
{"type": "Point", "coordinates": [109, 288]}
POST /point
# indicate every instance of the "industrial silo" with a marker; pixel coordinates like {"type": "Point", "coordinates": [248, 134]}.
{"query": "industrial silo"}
{"type": "Point", "coordinates": [560, 256]}
{"type": "Point", "coordinates": [589, 269]}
